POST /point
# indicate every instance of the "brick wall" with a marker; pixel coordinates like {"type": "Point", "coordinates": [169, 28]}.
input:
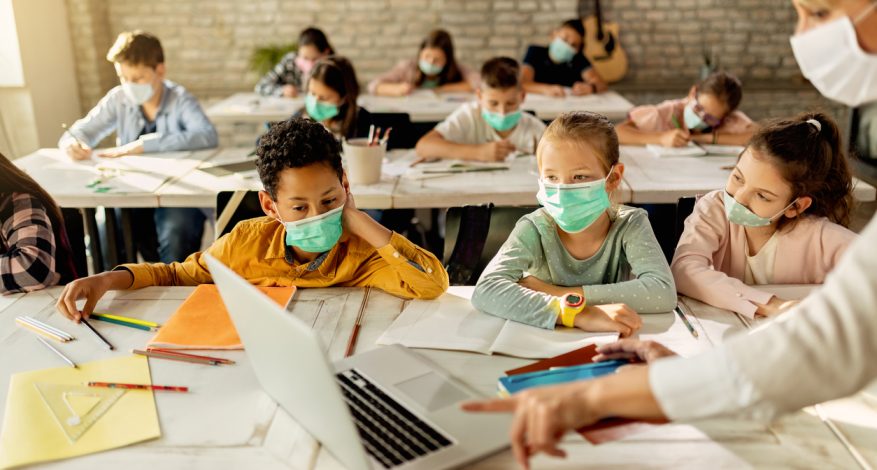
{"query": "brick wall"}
{"type": "Point", "coordinates": [208, 42]}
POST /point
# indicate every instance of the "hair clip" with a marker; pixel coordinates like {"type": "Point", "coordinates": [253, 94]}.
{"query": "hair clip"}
{"type": "Point", "coordinates": [816, 124]}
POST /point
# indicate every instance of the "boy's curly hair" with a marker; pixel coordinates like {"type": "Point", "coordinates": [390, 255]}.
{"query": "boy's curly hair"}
{"type": "Point", "coordinates": [295, 143]}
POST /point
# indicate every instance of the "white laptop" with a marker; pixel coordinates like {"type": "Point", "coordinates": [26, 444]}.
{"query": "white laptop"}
{"type": "Point", "coordinates": [385, 408]}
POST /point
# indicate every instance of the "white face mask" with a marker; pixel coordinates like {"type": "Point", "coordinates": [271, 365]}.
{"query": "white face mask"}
{"type": "Point", "coordinates": [831, 58]}
{"type": "Point", "coordinates": [138, 93]}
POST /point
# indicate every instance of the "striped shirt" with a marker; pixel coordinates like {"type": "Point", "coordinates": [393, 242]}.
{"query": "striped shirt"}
{"type": "Point", "coordinates": [286, 72]}
{"type": "Point", "coordinates": [27, 245]}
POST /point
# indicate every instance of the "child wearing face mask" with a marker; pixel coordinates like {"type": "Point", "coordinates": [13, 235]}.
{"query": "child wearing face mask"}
{"type": "Point", "coordinates": [708, 115]}
{"type": "Point", "coordinates": [780, 219]}
{"type": "Point", "coordinates": [578, 261]}
{"type": "Point", "coordinates": [148, 114]}
{"type": "Point", "coordinates": [551, 70]}
{"type": "Point", "coordinates": [312, 234]}
{"type": "Point", "coordinates": [331, 99]}
{"type": "Point", "coordinates": [435, 68]}
{"type": "Point", "coordinates": [290, 76]}
{"type": "Point", "coordinates": [490, 128]}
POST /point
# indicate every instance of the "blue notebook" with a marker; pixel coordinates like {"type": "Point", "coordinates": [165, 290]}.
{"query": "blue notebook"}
{"type": "Point", "coordinates": [512, 384]}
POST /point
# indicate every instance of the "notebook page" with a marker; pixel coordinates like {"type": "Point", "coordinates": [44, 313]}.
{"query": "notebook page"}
{"type": "Point", "coordinates": [520, 340]}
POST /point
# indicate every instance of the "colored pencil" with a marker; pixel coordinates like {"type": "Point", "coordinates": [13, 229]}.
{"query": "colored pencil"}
{"type": "Point", "coordinates": [685, 320]}
{"type": "Point", "coordinates": [135, 321]}
{"type": "Point", "coordinates": [351, 342]}
{"type": "Point", "coordinates": [46, 326]}
{"type": "Point", "coordinates": [122, 323]}
{"type": "Point", "coordinates": [61, 355]}
{"type": "Point", "coordinates": [163, 388]}
{"type": "Point", "coordinates": [41, 331]}
{"type": "Point", "coordinates": [96, 334]}
{"type": "Point", "coordinates": [174, 357]}
{"type": "Point", "coordinates": [220, 360]}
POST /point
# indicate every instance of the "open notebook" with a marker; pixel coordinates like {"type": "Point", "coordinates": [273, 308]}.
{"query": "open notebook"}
{"type": "Point", "coordinates": [453, 323]}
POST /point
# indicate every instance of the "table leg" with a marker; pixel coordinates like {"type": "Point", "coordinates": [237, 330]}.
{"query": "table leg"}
{"type": "Point", "coordinates": [111, 232]}
{"type": "Point", "coordinates": [128, 237]}
{"type": "Point", "coordinates": [94, 245]}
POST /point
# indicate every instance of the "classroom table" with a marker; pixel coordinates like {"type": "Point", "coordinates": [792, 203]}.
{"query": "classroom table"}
{"type": "Point", "coordinates": [664, 180]}
{"type": "Point", "coordinates": [251, 107]}
{"type": "Point", "coordinates": [125, 183]}
{"type": "Point", "coordinates": [422, 106]}
{"type": "Point", "coordinates": [227, 421]}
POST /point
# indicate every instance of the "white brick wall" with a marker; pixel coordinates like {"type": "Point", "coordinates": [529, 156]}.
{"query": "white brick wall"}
{"type": "Point", "coordinates": [208, 42]}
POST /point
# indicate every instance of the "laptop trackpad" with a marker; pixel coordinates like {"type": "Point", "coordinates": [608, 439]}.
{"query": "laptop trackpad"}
{"type": "Point", "coordinates": [432, 391]}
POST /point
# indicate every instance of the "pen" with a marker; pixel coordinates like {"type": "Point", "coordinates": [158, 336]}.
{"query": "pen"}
{"type": "Point", "coordinates": [685, 321]}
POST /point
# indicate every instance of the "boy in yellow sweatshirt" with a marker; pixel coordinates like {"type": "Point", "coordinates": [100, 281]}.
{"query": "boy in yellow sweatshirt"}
{"type": "Point", "coordinates": [312, 234]}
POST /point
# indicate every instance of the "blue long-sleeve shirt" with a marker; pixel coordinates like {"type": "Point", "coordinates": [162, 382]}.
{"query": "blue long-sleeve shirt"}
{"type": "Point", "coordinates": [179, 125]}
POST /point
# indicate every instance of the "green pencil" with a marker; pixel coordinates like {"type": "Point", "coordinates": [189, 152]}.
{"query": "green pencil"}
{"type": "Point", "coordinates": [123, 323]}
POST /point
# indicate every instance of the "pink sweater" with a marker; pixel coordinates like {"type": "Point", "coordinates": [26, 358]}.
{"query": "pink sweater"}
{"type": "Point", "coordinates": [710, 259]}
{"type": "Point", "coordinates": [406, 71]}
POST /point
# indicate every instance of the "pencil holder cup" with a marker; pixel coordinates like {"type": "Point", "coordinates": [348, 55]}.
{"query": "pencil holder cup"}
{"type": "Point", "coordinates": [363, 161]}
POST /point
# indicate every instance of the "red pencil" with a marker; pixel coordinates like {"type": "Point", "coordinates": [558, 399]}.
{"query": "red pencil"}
{"type": "Point", "coordinates": [164, 388]}
{"type": "Point", "coordinates": [180, 353]}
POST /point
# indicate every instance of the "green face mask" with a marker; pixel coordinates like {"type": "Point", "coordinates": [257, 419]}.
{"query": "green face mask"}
{"type": "Point", "coordinates": [501, 122]}
{"type": "Point", "coordinates": [741, 215]}
{"type": "Point", "coordinates": [574, 207]}
{"type": "Point", "coordinates": [316, 234]}
{"type": "Point", "coordinates": [320, 110]}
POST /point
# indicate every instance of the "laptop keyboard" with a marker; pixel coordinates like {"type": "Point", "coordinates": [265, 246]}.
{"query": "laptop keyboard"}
{"type": "Point", "coordinates": [389, 432]}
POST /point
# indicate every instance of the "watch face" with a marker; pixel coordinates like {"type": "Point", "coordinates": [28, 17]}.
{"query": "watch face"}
{"type": "Point", "coordinates": [573, 300]}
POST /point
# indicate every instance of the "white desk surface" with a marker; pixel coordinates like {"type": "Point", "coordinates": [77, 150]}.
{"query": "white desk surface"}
{"type": "Point", "coordinates": [421, 106]}
{"type": "Point", "coordinates": [663, 180]}
{"type": "Point", "coordinates": [516, 186]}
{"type": "Point", "coordinates": [226, 421]}
{"type": "Point", "coordinates": [135, 185]}
{"type": "Point", "coordinates": [250, 107]}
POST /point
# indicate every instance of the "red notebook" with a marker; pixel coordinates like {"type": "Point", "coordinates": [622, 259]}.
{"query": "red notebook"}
{"type": "Point", "coordinates": [606, 430]}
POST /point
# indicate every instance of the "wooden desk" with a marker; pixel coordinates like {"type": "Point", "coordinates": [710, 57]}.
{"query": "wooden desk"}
{"type": "Point", "coordinates": [664, 180]}
{"type": "Point", "coordinates": [250, 107]}
{"type": "Point", "coordinates": [227, 421]}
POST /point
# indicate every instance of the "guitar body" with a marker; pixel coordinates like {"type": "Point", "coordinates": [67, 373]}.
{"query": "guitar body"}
{"type": "Point", "coordinates": [605, 54]}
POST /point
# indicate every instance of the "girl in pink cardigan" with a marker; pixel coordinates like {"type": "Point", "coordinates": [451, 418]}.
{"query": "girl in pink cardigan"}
{"type": "Point", "coordinates": [780, 219]}
{"type": "Point", "coordinates": [436, 68]}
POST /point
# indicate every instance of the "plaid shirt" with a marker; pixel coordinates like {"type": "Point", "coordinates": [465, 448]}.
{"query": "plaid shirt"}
{"type": "Point", "coordinates": [284, 73]}
{"type": "Point", "coordinates": [27, 245]}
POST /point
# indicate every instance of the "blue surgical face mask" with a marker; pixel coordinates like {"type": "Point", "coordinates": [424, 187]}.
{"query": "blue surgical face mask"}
{"type": "Point", "coordinates": [741, 215]}
{"type": "Point", "coordinates": [574, 207]}
{"type": "Point", "coordinates": [560, 51]}
{"type": "Point", "coordinates": [138, 93]}
{"type": "Point", "coordinates": [429, 69]}
{"type": "Point", "coordinates": [501, 122]}
{"type": "Point", "coordinates": [319, 110]}
{"type": "Point", "coordinates": [692, 120]}
{"type": "Point", "coordinates": [316, 234]}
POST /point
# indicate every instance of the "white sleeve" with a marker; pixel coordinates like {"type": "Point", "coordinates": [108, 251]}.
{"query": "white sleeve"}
{"type": "Point", "coordinates": [823, 349]}
{"type": "Point", "coordinates": [459, 126]}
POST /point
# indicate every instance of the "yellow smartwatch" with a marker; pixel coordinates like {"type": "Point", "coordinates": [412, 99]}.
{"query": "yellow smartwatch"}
{"type": "Point", "coordinates": [570, 306]}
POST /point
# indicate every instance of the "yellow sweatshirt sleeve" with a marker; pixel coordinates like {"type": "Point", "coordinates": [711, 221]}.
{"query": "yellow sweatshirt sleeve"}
{"type": "Point", "coordinates": [191, 272]}
{"type": "Point", "coordinates": [404, 269]}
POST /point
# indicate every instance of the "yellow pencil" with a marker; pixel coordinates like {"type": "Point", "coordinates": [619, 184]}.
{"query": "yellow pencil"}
{"type": "Point", "coordinates": [40, 331]}
{"type": "Point", "coordinates": [128, 320]}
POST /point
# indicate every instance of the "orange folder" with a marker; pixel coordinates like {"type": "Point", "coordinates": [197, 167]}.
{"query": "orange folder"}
{"type": "Point", "coordinates": [607, 430]}
{"type": "Point", "coordinates": [202, 321]}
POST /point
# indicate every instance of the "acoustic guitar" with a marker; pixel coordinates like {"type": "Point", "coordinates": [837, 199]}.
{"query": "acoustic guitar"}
{"type": "Point", "coordinates": [602, 46]}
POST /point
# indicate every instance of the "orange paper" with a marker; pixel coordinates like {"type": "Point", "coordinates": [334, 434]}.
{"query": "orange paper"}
{"type": "Point", "coordinates": [202, 322]}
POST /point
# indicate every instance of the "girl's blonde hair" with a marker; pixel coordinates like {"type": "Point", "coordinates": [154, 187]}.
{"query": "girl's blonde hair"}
{"type": "Point", "coordinates": [585, 127]}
